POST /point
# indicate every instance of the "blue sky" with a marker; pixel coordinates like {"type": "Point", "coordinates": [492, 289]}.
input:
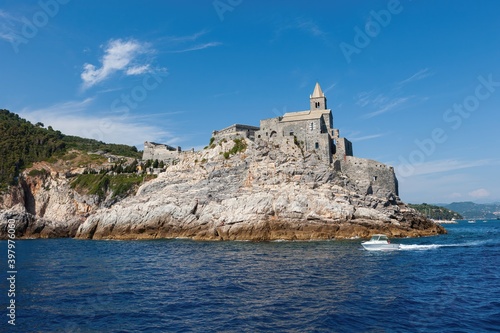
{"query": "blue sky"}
{"type": "Point", "coordinates": [414, 84]}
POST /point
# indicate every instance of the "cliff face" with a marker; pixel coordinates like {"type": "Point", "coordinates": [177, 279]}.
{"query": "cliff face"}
{"type": "Point", "coordinates": [45, 206]}
{"type": "Point", "coordinates": [264, 193]}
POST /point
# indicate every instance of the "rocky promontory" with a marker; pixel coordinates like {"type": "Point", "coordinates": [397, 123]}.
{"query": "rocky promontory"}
{"type": "Point", "coordinates": [258, 193]}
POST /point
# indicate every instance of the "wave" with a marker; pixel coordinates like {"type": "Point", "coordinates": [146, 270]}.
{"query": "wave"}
{"type": "Point", "coordinates": [421, 247]}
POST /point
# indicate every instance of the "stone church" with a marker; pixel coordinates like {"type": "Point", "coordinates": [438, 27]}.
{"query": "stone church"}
{"type": "Point", "coordinates": [311, 129]}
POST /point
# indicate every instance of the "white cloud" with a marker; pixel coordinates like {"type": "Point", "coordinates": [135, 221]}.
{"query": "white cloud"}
{"type": "Point", "coordinates": [479, 193]}
{"type": "Point", "coordinates": [138, 70]}
{"type": "Point", "coordinates": [72, 118]}
{"type": "Point", "coordinates": [189, 38]}
{"type": "Point", "coordinates": [439, 166]}
{"type": "Point", "coordinates": [366, 137]}
{"type": "Point", "coordinates": [197, 47]}
{"type": "Point", "coordinates": [385, 105]}
{"type": "Point", "coordinates": [421, 74]}
{"type": "Point", "coordinates": [119, 55]}
{"type": "Point", "coordinates": [455, 195]}
{"type": "Point", "coordinates": [181, 44]}
{"type": "Point", "coordinates": [381, 103]}
{"type": "Point", "coordinates": [302, 24]}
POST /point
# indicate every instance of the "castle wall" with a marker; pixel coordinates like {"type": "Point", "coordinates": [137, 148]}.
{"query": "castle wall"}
{"type": "Point", "coordinates": [235, 131]}
{"type": "Point", "coordinates": [374, 177]}
{"type": "Point", "coordinates": [343, 148]}
{"type": "Point", "coordinates": [160, 152]}
{"type": "Point", "coordinates": [311, 134]}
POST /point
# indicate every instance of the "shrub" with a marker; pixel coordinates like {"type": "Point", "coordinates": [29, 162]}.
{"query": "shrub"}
{"type": "Point", "coordinates": [36, 173]}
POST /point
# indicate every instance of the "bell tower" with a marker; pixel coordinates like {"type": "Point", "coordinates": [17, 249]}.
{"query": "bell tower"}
{"type": "Point", "coordinates": [318, 99]}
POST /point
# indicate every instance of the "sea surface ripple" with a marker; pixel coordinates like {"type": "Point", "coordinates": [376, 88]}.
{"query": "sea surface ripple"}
{"type": "Point", "coordinates": [448, 283]}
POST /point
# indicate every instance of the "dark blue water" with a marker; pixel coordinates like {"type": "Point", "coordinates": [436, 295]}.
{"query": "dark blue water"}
{"type": "Point", "coordinates": [449, 283]}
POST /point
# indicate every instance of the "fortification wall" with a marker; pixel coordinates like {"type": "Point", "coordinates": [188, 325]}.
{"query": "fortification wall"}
{"type": "Point", "coordinates": [371, 176]}
{"type": "Point", "coordinates": [311, 134]}
{"type": "Point", "coordinates": [235, 131]}
{"type": "Point", "coordinates": [343, 148]}
{"type": "Point", "coordinates": [160, 152]}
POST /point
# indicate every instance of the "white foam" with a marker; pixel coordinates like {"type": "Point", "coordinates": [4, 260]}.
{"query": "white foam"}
{"type": "Point", "coordinates": [417, 247]}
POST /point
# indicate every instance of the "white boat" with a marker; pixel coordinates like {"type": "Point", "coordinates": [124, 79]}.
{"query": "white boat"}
{"type": "Point", "coordinates": [379, 242]}
{"type": "Point", "coordinates": [472, 221]}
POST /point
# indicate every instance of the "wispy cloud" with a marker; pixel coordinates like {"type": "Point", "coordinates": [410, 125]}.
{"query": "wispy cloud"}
{"type": "Point", "coordinates": [421, 74]}
{"type": "Point", "coordinates": [188, 38]}
{"type": "Point", "coordinates": [479, 193]}
{"type": "Point", "coordinates": [440, 166]}
{"type": "Point", "coordinates": [310, 27]}
{"type": "Point", "coordinates": [330, 87]}
{"type": "Point", "coordinates": [388, 105]}
{"type": "Point", "coordinates": [188, 43]}
{"type": "Point", "coordinates": [126, 56]}
{"type": "Point", "coordinates": [197, 47]}
{"type": "Point", "coordinates": [61, 108]}
{"type": "Point", "coordinates": [391, 100]}
{"type": "Point", "coordinates": [75, 118]}
{"type": "Point", "coordinates": [305, 25]}
{"type": "Point", "coordinates": [380, 103]}
{"type": "Point", "coordinates": [366, 137]}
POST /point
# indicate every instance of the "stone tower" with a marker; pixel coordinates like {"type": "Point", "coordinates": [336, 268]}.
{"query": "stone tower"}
{"type": "Point", "coordinates": [318, 99]}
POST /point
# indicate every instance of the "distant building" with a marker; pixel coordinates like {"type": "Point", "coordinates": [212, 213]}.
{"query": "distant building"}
{"type": "Point", "coordinates": [161, 152]}
{"type": "Point", "coordinates": [236, 130]}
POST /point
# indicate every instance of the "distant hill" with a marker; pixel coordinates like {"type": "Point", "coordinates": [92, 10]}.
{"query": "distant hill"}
{"type": "Point", "coordinates": [471, 210]}
{"type": "Point", "coordinates": [436, 212]}
{"type": "Point", "coordinates": [22, 143]}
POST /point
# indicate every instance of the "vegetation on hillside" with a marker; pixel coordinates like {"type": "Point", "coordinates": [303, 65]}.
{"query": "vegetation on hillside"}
{"type": "Point", "coordinates": [240, 145]}
{"type": "Point", "coordinates": [471, 210]}
{"type": "Point", "coordinates": [436, 212]}
{"type": "Point", "coordinates": [102, 184]}
{"type": "Point", "coordinates": [22, 143]}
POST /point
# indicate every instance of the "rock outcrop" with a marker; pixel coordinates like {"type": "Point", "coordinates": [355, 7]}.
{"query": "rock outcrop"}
{"type": "Point", "coordinates": [259, 194]}
{"type": "Point", "coordinates": [45, 206]}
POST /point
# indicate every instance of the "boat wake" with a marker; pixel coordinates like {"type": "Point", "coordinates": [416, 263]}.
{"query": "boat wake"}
{"type": "Point", "coordinates": [423, 247]}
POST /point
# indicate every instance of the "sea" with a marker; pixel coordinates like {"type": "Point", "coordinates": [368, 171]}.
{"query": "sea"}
{"type": "Point", "coordinates": [446, 283]}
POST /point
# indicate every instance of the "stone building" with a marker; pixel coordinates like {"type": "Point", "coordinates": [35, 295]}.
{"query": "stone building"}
{"type": "Point", "coordinates": [312, 129]}
{"type": "Point", "coordinates": [160, 152]}
{"type": "Point", "coordinates": [234, 131]}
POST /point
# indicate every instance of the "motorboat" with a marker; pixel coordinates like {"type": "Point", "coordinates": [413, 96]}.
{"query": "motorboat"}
{"type": "Point", "coordinates": [379, 242]}
{"type": "Point", "coordinates": [472, 221]}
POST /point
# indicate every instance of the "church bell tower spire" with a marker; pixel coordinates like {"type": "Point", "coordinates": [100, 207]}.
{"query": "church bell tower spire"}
{"type": "Point", "coordinates": [318, 99]}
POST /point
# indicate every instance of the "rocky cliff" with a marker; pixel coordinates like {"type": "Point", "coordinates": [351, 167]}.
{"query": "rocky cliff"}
{"type": "Point", "coordinates": [44, 205]}
{"type": "Point", "coordinates": [262, 193]}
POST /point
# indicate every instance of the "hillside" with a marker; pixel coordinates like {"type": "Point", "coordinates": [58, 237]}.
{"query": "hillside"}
{"type": "Point", "coordinates": [471, 210]}
{"type": "Point", "coordinates": [436, 212]}
{"type": "Point", "coordinates": [23, 143]}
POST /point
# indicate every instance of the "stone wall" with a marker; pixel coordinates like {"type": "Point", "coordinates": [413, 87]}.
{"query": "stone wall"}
{"type": "Point", "coordinates": [343, 148]}
{"type": "Point", "coordinates": [160, 152]}
{"type": "Point", "coordinates": [234, 131]}
{"type": "Point", "coordinates": [371, 176]}
{"type": "Point", "coordinates": [311, 134]}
